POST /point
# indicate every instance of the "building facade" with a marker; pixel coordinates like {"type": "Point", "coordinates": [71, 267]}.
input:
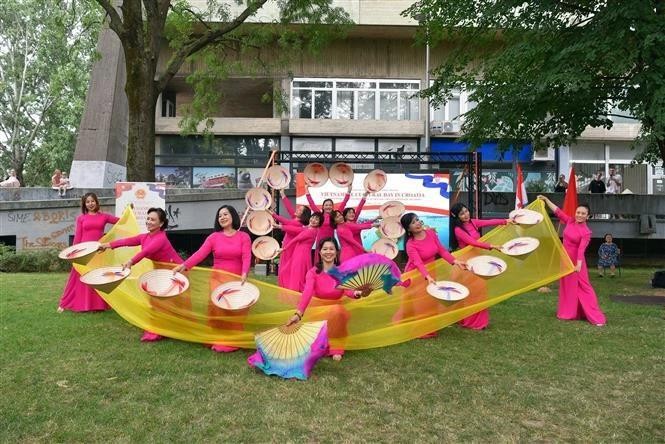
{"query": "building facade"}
{"type": "Point", "coordinates": [358, 95]}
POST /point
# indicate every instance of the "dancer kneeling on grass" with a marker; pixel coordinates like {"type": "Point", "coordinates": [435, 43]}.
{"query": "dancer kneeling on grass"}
{"type": "Point", "coordinates": [466, 232]}
{"type": "Point", "coordinates": [319, 284]}
{"type": "Point", "coordinates": [154, 246]}
{"type": "Point", "coordinates": [577, 299]}
{"type": "Point", "coordinates": [232, 253]}
{"type": "Point", "coordinates": [422, 247]}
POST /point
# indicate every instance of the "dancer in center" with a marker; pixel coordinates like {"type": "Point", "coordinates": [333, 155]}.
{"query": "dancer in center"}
{"type": "Point", "coordinates": [422, 247]}
{"type": "Point", "coordinates": [466, 232]}
{"type": "Point", "coordinates": [296, 254]}
{"type": "Point", "coordinates": [232, 252]}
{"type": "Point", "coordinates": [346, 232]}
{"type": "Point", "coordinates": [327, 230]}
{"type": "Point", "coordinates": [319, 284]}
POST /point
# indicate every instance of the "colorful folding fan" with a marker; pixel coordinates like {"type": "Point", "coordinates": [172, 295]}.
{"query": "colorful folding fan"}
{"type": "Point", "coordinates": [368, 272]}
{"type": "Point", "coordinates": [290, 351]}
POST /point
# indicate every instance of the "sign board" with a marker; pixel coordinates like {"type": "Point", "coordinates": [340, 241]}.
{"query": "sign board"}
{"type": "Point", "coordinates": [142, 195]}
{"type": "Point", "coordinates": [427, 195]}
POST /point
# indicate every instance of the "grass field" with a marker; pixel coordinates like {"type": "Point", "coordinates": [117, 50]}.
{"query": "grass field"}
{"type": "Point", "coordinates": [529, 377]}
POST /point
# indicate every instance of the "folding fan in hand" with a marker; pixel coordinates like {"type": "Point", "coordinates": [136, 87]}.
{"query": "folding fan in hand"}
{"type": "Point", "coordinates": [290, 351]}
{"type": "Point", "coordinates": [368, 272]}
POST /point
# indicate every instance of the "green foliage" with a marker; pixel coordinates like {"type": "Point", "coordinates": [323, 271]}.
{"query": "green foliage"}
{"type": "Point", "coordinates": [545, 70]}
{"type": "Point", "coordinates": [44, 69]}
{"type": "Point", "coordinates": [39, 261]}
{"type": "Point", "coordinates": [258, 50]}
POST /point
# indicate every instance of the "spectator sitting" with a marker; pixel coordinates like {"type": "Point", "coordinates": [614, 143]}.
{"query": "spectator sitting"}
{"type": "Point", "coordinates": [561, 185]}
{"type": "Point", "coordinates": [55, 179]}
{"type": "Point", "coordinates": [608, 256]}
{"type": "Point", "coordinates": [12, 181]}
{"type": "Point", "coordinates": [63, 183]}
{"type": "Point", "coordinates": [597, 185]}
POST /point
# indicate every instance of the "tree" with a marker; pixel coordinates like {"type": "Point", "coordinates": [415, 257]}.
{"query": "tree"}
{"type": "Point", "coordinates": [545, 70]}
{"type": "Point", "coordinates": [46, 49]}
{"type": "Point", "coordinates": [146, 27]}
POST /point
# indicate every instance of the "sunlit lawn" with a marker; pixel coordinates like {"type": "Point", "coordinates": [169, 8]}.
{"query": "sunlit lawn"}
{"type": "Point", "coordinates": [86, 377]}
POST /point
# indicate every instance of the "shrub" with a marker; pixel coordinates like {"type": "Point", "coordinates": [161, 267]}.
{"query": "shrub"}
{"type": "Point", "coordinates": [38, 261]}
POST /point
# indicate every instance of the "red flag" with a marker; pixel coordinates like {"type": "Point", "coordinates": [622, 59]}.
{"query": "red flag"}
{"type": "Point", "coordinates": [570, 201]}
{"type": "Point", "coordinates": [520, 191]}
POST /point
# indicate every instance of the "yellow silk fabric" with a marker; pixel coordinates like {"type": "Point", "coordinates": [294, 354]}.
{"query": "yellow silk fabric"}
{"type": "Point", "coordinates": [375, 321]}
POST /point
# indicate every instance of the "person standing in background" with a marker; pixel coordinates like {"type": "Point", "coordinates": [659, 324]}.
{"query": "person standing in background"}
{"type": "Point", "coordinates": [597, 185]}
{"type": "Point", "coordinates": [12, 181]}
{"type": "Point", "coordinates": [561, 184]}
{"type": "Point", "coordinates": [614, 182]}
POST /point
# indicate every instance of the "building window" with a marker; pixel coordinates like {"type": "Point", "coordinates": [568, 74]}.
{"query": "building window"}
{"type": "Point", "coordinates": [355, 99]}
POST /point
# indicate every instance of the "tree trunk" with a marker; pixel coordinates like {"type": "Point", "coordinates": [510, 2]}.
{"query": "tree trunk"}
{"type": "Point", "coordinates": [141, 98]}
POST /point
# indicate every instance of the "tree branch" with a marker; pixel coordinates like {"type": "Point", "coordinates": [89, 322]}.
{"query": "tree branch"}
{"type": "Point", "coordinates": [115, 22]}
{"type": "Point", "coordinates": [196, 44]}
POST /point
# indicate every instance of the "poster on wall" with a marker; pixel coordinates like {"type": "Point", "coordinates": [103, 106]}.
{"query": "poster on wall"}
{"type": "Point", "coordinates": [249, 177]}
{"type": "Point", "coordinates": [142, 195]}
{"type": "Point", "coordinates": [174, 177]}
{"type": "Point", "coordinates": [214, 177]}
{"type": "Point", "coordinates": [427, 195]}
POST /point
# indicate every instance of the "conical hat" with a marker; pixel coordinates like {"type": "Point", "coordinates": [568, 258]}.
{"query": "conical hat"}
{"type": "Point", "coordinates": [258, 199]}
{"type": "Point", "coordinates": [80, 253]}
{"type": "Point", "coordinates": [391, 228]}
{"type": "Point", "coordinates": [316, 175]}
{"type": "Point", "coordinates": [486, 265]}
{"type": "Point", "coordinates": [526, 217]}
{"type": "Point", "coordinates": [265, 248]}
{"type": "Point", "coordinates": [278, 177]}
{"type": "Point", "coordinates": [235, 295]}
{"type": "Point", "coordinates": [163, 283]}
{"type": "Point", "coordinates": [386, 247]}
{"type": "Point", "coordinates": [260, 222]}
{"type": "Point", "coordinates": [105, 279]}
{"type": "Point", "coordinates": [392, 208]}
{"type": "Point", "coordinates": [447, 290]}
{"type": "Point", "coordinates": [520, 246]}
{"type": "Point", "coordinates": [375, 181]}
{"type": "Point", "coordinates": [341, 174]}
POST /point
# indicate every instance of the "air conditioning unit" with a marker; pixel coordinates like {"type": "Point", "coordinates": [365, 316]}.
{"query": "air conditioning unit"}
{"type": "Point", "coordinates": [451, 127]}
{"type": "Point", "coordinates": [436, 127]}
{"type": "Point", "coordinates": [544, 154]}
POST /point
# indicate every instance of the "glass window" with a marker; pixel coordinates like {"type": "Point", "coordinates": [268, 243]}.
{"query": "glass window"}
{"type": "Point", "coordinates": [345, 104]}
{"type": "Point", "coordinates": [454, 108]}
{"type": "Point", "coordinates": [408, 106]}
{"type": "Point", "coordinates": [587, 151]}
{"type": "Point", "coordinates": [364, 145]}
{"type": "Point", "coordinates": [621, 151]}
{"type": "Point", "coordinates": [388, 105]}
{"type": "Point", "coordinates": [322, 104]}
{"type": "Point", "coordinates": [302, 104]}
{"type": "Point", "coordinates": [311, 144]}
{"type": "Point", "coordinates": [355, 99]}
{"type": "Point", "coordinates": [366, 105]}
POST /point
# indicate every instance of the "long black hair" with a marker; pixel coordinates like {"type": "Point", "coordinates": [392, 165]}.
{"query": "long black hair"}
{"type": "Point", "coordinates": [305, 214]}
{"type": "Point", "coordinates": [319, 264]}
{"type": "Point", "coordinates": [161, 214]}
{"type": "Point", "coordinates": [406, 220]}
{"type": "Point", "coordinates": [347, 211]}
{"type": "Point", "coordinates": [316, 214]}
{"type": "Point", "coordinates": [235, 218]}
{"type": "Point", "coordinates": [333, 215]}
{"type": "Point", "coordinates": [84, 209]}
{"type": "Point", "coordinates": [455, 210]}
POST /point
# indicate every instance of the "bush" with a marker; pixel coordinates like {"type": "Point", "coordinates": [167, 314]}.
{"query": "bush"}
{"type": "Point", "coordinates": [39, 261]}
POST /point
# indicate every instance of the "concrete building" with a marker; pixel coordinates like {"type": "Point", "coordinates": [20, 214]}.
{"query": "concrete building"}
{"type": "Point", "coordinates": [356, 96]}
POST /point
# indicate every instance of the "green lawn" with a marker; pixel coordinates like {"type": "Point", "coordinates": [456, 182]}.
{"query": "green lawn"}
{"type": "Point", "coordinates": [529, 377]}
